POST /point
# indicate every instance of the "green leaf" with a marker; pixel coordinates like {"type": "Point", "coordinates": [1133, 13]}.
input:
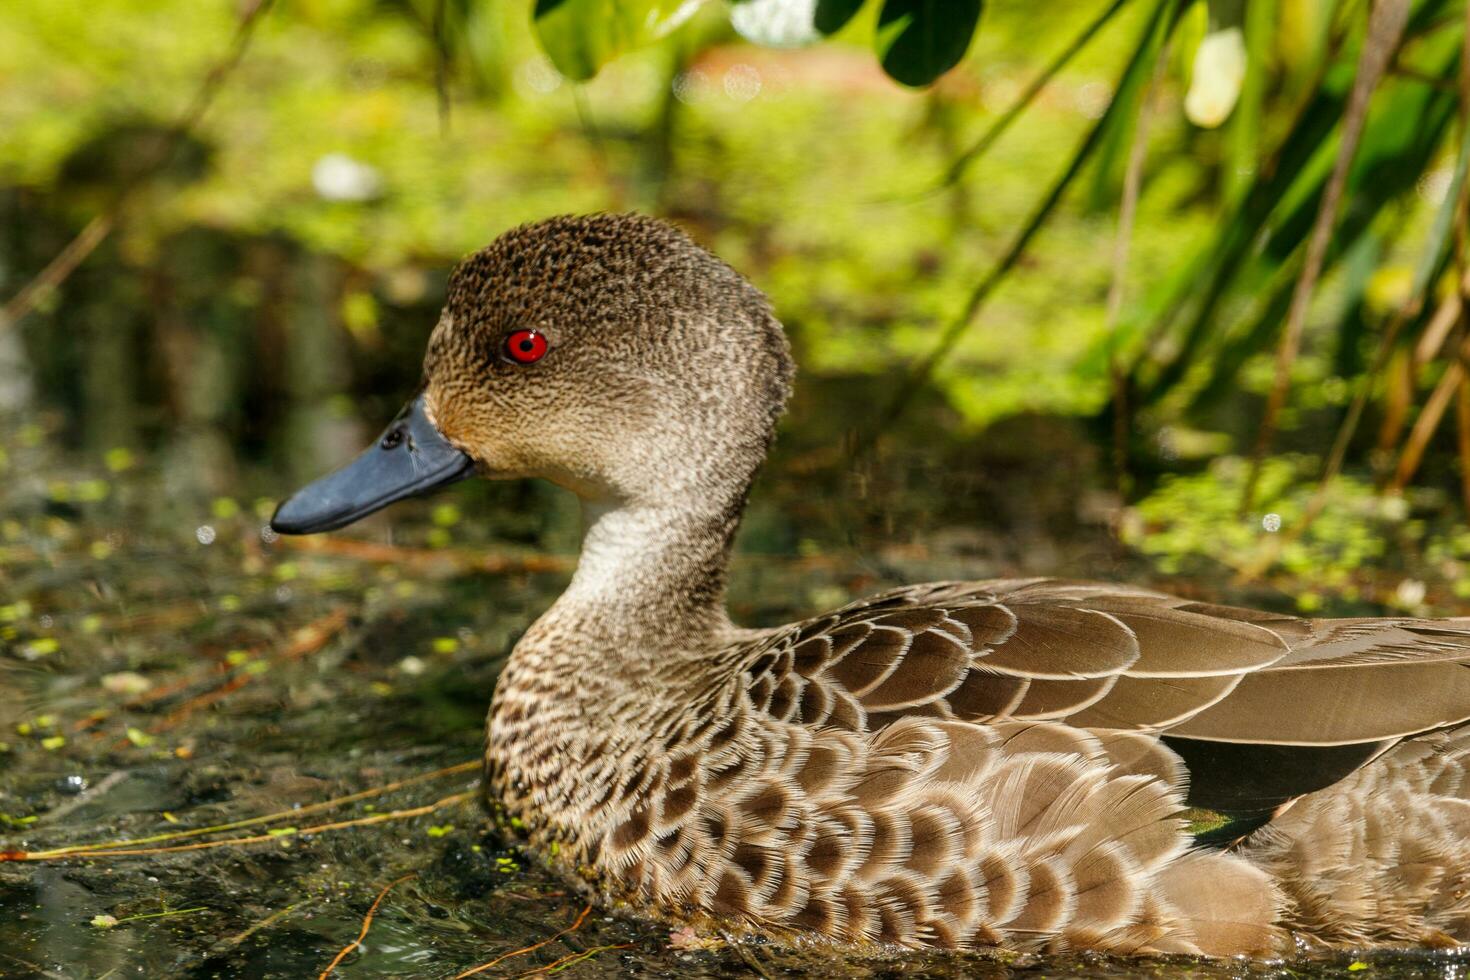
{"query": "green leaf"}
{"type": "Point", "coordinates": [580, 36]}
{"type": "Point", "coordinates": [1117, 136]}
{"type": "Point", "coordinates": [832, 15]}
{"type": "Point", "coordinates": [1243, 141]}
{"type": "Point", "coordinates": [919, 40]}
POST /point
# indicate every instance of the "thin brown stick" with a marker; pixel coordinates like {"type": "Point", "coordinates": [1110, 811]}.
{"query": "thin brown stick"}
{"type": "Point", "coordinates": [1426, 424]}
{"type": "Point", "coordinates": [64, 854]}
{"type": "Point", "coordinates": [1462, 440]}
{"type": "Point", "coordinates": [1398, 398]}
{"type": "Point", "coordinates": [204, 700]}
{"type": "Point", "coordinates": [569, 959]}
{"type": "Point", "coordinates": [1385, 29]}
{"type": "Point", "coordinates": [1437, 331]}
{"type": "Point", "coordinates": [1400, 375]}
{"type": "Point", "coordinates": [1462, 242]}
{"type": "Point", "coordinates": [1445, 320]}
{"type": "Point", "coordinates": [165, 691]}
{"type": "Point", "coordinates": [60, 268]}
{"type": "Point", "coordinates": [1122, 244]}
{"type": "Point", "coordinates": [527, 949]}
{"type": "Point", "coordinates": [1450, 315]}
{"type": "Point", "coordinates": [265, 923]}
{"type": "Point", "coordinates": [295, 813]}
{"type": "Point", "coordinates": [367, 923]}
{"type": "Point", "coordinates": [304, 640]}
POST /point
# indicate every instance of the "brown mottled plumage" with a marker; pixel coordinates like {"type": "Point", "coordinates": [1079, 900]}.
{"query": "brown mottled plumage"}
{"type": "Point", "coordinates": [954, 764]}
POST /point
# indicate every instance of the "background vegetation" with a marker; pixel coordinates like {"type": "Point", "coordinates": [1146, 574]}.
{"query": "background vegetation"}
{"type": "Point", "coordinates": [275, 195]}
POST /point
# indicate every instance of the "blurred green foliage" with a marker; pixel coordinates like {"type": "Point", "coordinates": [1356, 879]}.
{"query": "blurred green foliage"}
{"type": "Point", "coordinates": [265, 295]}
{"type": "Point", "coordinates": [771, 159]}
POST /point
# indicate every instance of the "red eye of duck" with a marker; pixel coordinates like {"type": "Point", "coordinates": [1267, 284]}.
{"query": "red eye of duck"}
{"type": "Point", "coordinates": [525, 346]}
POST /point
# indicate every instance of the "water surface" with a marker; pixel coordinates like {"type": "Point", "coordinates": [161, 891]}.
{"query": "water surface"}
{"type": "Point", "coordinates": [168, 664]}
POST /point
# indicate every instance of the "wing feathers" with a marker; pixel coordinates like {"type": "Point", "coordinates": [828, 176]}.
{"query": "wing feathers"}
{"type": "Point", "coordinates": [1348, 704]}
{"type": "Point", "coordinates": [1046, 698]}
{"type": "Point", "coordinates": [1350, 642]}
{"type": "Point", "coordinates": [1124, 659]}
{"type": "Point", "coordinates": [1177, 643]}
{"type": "Point", "coordinates": [934, 664]}
{"type": "Point", "coordinates": [1063, 642]}
{"type": "Point", "coordinates": [971, 763]}
{"type": "Point", "coordinates": [1155, 702]}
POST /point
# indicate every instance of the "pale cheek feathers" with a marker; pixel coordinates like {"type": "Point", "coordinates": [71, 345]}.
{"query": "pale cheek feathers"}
{"type": "Point", "coordinates": [517, 436]}
{"type": "Point", "coordinates": [462, 419]}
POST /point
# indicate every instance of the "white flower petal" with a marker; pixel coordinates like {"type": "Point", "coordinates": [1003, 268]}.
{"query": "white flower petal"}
{"type": "Point", "coordinates": [1219, 71]}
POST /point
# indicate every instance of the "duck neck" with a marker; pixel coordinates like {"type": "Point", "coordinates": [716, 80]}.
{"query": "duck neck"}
{"type": "Point", "coordinates": [621, 655]}
{"type": "Point", "coordinates": [651, 575]}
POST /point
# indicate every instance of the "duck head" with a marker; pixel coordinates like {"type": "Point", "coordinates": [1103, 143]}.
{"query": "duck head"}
{"type": "Point", "coordinates": [607, 353]}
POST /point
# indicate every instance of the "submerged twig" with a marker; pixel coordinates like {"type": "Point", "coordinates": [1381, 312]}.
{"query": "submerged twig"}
{"type": "Point", "coordinates": [131, 846]}
{"type": "Point", "coordinates": [1385, 28]}
{"type": "Point", "coordinates": [166, 913]}
{"type": "Point", "coordinates": [35, 968]}
{"type": "Point", "coordinates": [527, 949]}
{"type": "Point", "coordinates": [746, 955]}
{"type": "Point", "coordinates": [86, 796]}
{"type": "Point", "coordinates": [367, 922]}
{"type": "Point", "coordinates": [376, 818]}
{"type": "Point", "coordinates": [556, 966]}
{"type": "Point", "coordinates": [264, 923]}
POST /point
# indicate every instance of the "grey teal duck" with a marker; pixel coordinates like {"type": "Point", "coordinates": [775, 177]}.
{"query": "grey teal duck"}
{"type": "Point", "coordinates": [958, 764]}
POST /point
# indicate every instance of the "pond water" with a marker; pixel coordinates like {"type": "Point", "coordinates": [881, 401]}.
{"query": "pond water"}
{"type": "Point", "coordinates": [167, 666]}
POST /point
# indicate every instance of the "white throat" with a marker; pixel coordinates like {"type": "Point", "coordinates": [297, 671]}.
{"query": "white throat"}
{"type": "Point", "coordinates": [650, 574]}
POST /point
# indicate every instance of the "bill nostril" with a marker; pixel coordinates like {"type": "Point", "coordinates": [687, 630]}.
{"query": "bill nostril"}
{"type": "Point", "coordinates": [392, 439]}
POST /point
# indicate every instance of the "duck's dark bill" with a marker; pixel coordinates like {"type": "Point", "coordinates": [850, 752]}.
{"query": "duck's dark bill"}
{"type": "Point", "coordinates": [410, 458]}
